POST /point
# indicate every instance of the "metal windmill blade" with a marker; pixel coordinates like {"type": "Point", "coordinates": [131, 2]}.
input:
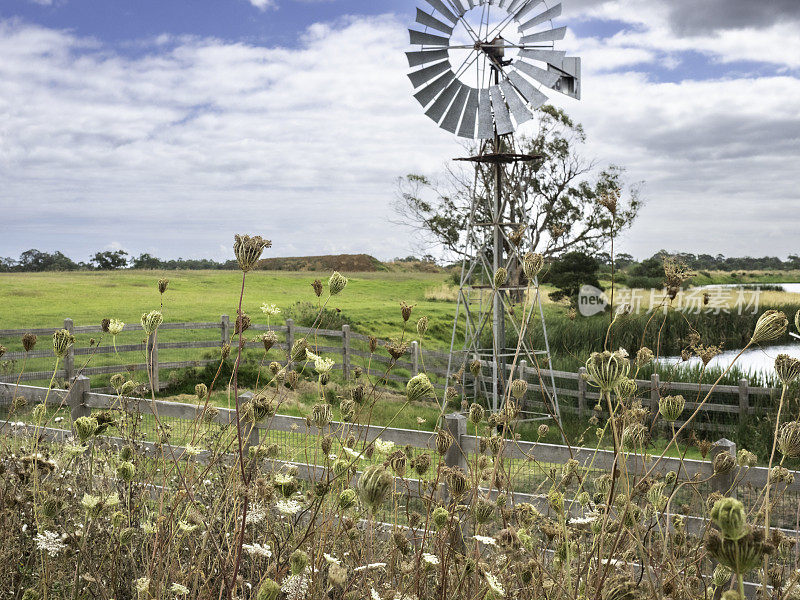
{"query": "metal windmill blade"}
{"type": "Point", "coordinates": [455, 90]}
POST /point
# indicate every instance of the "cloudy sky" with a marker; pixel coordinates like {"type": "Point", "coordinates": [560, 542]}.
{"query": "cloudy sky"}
{"type": "Point", "coordinates": [166, 126]}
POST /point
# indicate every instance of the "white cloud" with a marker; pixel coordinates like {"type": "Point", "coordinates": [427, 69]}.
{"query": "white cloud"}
{"type": "Point", "coordinates": [264, 4]}
{"type": "Point", "coordinates": [193, 140]}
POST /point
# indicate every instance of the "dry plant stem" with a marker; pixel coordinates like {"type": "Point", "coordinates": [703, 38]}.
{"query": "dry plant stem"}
{"type": "Point", "coordinates": [769, 484]}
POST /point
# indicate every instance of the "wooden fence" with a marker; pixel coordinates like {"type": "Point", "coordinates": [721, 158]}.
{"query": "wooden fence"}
{"type": "Point", "coordinates": [728, 406]}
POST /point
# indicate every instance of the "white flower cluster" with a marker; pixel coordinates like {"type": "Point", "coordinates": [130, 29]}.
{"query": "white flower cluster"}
{"type": "Point", "coordinates": [383, 447]}
{"type": "Point", "coordinates": [258, 550]}
{"type": "Point", "coordinates": [322, 365]}
{"type": "Point", "coordinates": [270, 309]}
{"type": "Point", "coordinates": [494, 584]}
{"type": "Point", "coordinates": [50, 542]}
{"type": "Point", "coordinates": [288, 507]}
{"type": "Point", "coordinates": [255, 514]}
{"type": "Point", "coordinates": [430, 559]}
{"type": "Point", "coordinates": [296, 586]}
{"type": "Point", "coordinates": [485, 539]}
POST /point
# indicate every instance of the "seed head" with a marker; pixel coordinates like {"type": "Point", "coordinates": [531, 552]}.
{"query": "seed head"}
{"type": "Point", "coordinates": [321, 415]}
{"type": "Point", "coordinates": [85, 427]}
{"type": "Point", "coordinates": [532, 264]}
{"type": "Point", "coordinates": [268, 590]}
{"type": "Point", "coordinates": [724, 462]}
{"type": "Point", "coordinates": [476, 413]}
{"type": "Point", "coordinates": [519, 388]}
{"type": "Point", "coordinates": [248, 250]}
{"type": "Point", "coordinates": [543, 430]}
{"type": "Point", "coordinates": [151, 321]}
{"type": "Point", "coordinates": [475, 368]}
{"type": "Point", "coordinates": [644, 356]}
{"type": "Point", "coordinates": [419, 388]}
{"type": "Point", "coordinates": [299, 348]}
{"type": "Point", "coordinates": [28, 342]}
{"type": "Point", "coordinates": [671, 407]}
{"type": "Point", "coordinates": [225, 350]}
{"type": "Point", "coordinates": [789, 439]}
{"type": "Point", "coordinates": [456, 481]}
{"type": "Point", "coordinates": [298, 561]}
{"type": "Point", "coordinates": [729, 515]}
{"type": "Point", "coordinates": [440, 517]}
{"type": "Point", "coordinates": [607, 369]}
{"type": "Point", "coordinates": [62, 340]}
{"type": "Point", "coordinates": [162, 285]}
{"type": "Point", "coordinates": [500, 277]}
{"type": "Point", "coordinates": [347, 498]}
{"type": "Point", "coordinates": [269, 339]}
{"type": "Point", "coordinates": [405, 310]}
{"type": "Point", "coordinates": [443, 441]}
{"type": "Point", "coordinates": [336, 283]}
{"type": "Point", "coordinates": [2, 350]}
{"type": "Point", "coordinates": [126, 471]}
{"type": "Point", "coordinates": [374, 486]}
{"type": "Point", "coordinates": [788, 368]}
{"type": "Point", "coordinates": [317, 285]}
{"type": "Point", "coordinates": [117, 381]}
{"type": "Point", "coordinates": [745, 458]}
{"type": "Point", "coordinates": [422, 325]}
{"type": "Point", "coordinates": [770, 326]}
{"type": "Point", "coordinates": [201, 390]}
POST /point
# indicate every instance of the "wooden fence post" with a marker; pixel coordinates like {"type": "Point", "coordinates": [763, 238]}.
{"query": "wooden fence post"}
{"type": "Point", "coordinates": [655, 394]}
{"type": "Point", "coordinates": [289, 340]}
{"type": "Point", "coordinates": [152, 360]}
{"type": "Point", "coordinates": [225, 329]}
{"type": "Point", "coordinates": [456, 425]}
{"type": "Point", "coordinates": [346, 352]}
{"type": "Point", "coordinates": [69, 359]}
{"type": "Point", "coordinates": [744, 400]}
{"type": "Point", "coordinates": [581, 392]}
{"type": "Point", "coordinates": [251, 437]}
{"type": "Point", "coordinates": [78, 387]}
{"type": "Point", "coordinates": [724, 483]}
{"type": "Point", "coordinates": [414, 358]}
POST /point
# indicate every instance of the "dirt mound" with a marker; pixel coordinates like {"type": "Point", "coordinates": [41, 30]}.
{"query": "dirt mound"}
{"type": "Point", "coordinates": [350, 263]}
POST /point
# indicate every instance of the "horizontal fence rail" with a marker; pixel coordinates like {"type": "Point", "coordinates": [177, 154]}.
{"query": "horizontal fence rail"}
{"type": "Point", "coordinates": [732, 404]}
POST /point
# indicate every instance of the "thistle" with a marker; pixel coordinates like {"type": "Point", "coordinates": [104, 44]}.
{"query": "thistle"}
{"type": "Point", "coordinates": [789, 439]}
{"type": "Point", "coordinates": [62, 340]}
{"type": "Point", "coordinates": [336, 283]}
{"type": "Point", "coordinates": [787, 368]}
{"type": "Point", "coordinates": [28, 342]}
{"type": "Point", "coordinates": [500, 276]}
{"type": "Point", "coordinates": [671, 407]}
{"type": "Point", "coordinates": [151, 321]}
{"type": "Point", "coordinates": [531, 265]}
{"type": "Point", "coordinates": [419, 388]}
{"type": "Point", "coordinates": [248, 250]}
{"type": "Point", "coordinates": [770, 326]}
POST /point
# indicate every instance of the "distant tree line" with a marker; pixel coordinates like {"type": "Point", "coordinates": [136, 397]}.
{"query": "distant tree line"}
{"type": "Point", "coordinates": [38, 260]}
{"type": "Point", "coordinates": [108, 260]}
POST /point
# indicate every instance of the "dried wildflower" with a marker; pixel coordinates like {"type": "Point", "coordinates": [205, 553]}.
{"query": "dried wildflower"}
{"type": "Point", "coordinates": [724, 462]}
{"type": "Point", "coordinates": [85, 427]}
{"type": "Point", "coordinates": [671, 407]}
{"type": "Point", "coordinates": [151, 321]}
{"type": "Point", "coordinates": [532, 264]}
{"type": "Point", "coordinates": [745, 458]}
{"type": "Point", "coordinates": [374, 486]}
{"type": "Point", "coordinates": [476, 413]}
{"type": "Point", "coordinates": [347, 498]}
{"type": "Point", "coordinates": [729, 515]}
{"type": "Point", "coordinates": [495, 587]}
{"type": "Point", "coordinates": [704, 446]}
{"type": "Point", "coordinates": [627, 388]}
{"type": "Point", "coordinates": [321, 415]}
{"type": "Point", "coordinates": [607, 369]}
{"type": "Point", "coordinates": [475, 368]}
{"type": "Point", "coordinates": [317, 285]}
{"type": "Point", "coordinates": [543, 430]}
{"type": "Point", "coordinates": [419, 388]}
{"type": "Point", "coordinates": [162, 285]}
{"type": "Point", "coordinates": [298, 351]}
{"type": "Point", "coordinates": [676, 272]}
{"type": "Point", "coordinates": [201, 390]}
{"type": "Point", "coordinates": [336, 283]}
{"type": "Point", "coordinates": [421, 464]}
{"type": "Point", "coordinates": [741, 555]}
{"type": "Point", "coordinates": [456, 481]}
{"type": "Point", "coordinates": [241, 324]}
{"type": "Point", "coordinates": [500, 276]}
{"type": "Point", "coordinates": [789, 439]}
{"type": "Point", "coordinates": [2, 350]}
{"type": "Point", "coordinates": [788, 368]}
{"type": "Point", "coordinates": [268, 590]}
{"type": "Point", "coordinates": [609, 199]}
{"type": "Point", "coordinates": [519, 388]}
{"type": "Point", "coordinates": [225, 350]}
{"type": "Point", "coordinates": [422, 325]}
{"type": "Point", "coordinates": [126, 471]}
{"type": "Point", "coordinates": [28, 342]}
{"type": "Point", "coordinates": [635, 435]}
{"type": "Point", "coordinates": [443, 441]}
{"type": "Point", "coordinates": [405, 310]}
{"type": "Point", "coordinates": [62, 340]}
{"type": "Point", "coordinates": [644, 356]}
{"type": "Point", "coordinates": [248, 250]}
{"type": "Point", "coordinates": [440, 516]}
{"type": "Point", "coordinates": [770, 326]}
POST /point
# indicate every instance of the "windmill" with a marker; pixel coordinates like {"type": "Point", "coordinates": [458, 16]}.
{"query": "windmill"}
{"type": "Point", "coordinates": [479, 68]}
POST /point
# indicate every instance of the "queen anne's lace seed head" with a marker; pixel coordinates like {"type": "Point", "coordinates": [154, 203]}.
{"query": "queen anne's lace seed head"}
{"type": "Point", "coordinates": [419, 388]}
{"type": "Point", "coordinates": [770, 326]}
{"type": "Point", "coordinates": [151, 321]}
{"type": "Point", "coordinates": [336, 283]}
{"type": "Point", "coordinates": [248, 250]}
{"type": "Point", "coordinates": [62, 340]}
